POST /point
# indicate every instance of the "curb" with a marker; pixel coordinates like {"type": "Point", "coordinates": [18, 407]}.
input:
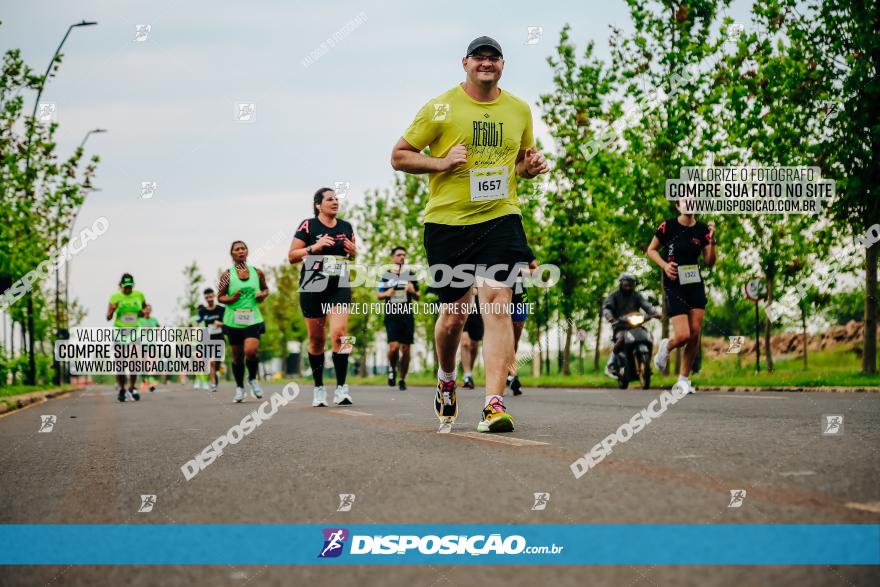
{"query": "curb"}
{"type": "Point", "coordinates": [727, 388]}
{"type": "Point", "coordinates": [16, 402]}
{"type": "Point", "coordinates": [790, 389]}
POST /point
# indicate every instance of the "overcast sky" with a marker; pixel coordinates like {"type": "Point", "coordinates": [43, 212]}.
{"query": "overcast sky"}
{"type": "Point", "coordinates": [169, 104]}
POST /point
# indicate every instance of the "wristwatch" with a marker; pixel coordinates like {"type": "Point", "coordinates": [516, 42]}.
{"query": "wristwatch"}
{"type": "Point", "coordinates": [309, 249]}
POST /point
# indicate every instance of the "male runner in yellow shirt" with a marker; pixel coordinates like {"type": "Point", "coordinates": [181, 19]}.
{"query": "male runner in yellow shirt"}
{"type": "Point", "coordinates": [480, 138]}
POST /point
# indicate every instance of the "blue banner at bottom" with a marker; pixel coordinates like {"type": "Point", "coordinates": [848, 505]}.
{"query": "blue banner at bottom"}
{"type": "Point", "coordinates": [418, 544]}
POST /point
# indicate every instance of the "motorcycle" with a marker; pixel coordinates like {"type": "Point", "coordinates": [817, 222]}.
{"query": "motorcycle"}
{"type": "Point", "coordinates": [634, 359]}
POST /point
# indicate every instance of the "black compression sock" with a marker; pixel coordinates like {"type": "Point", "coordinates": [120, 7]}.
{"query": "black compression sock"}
{"type": "Point", "coordinates": [238, 373]}
{"type": "Point", "coordinates": [340, 364]}
{"type": "Point", "coordinates": [252, 366]}
{"type": "Point", "coordinates": [316, 362]}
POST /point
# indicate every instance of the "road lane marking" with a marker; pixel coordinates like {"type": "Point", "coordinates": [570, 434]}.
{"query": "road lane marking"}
{"type": "Point", "coordinates": [797, 473]}
{"type": "Point", "coordinates": [748, 396]}
{"type": "Point", "coordinates": [499, 439]}
{"type": "Point", "coordinates": [871, 506]}
{"type": "Point", "coordinates": [353, 413]}
{"type": "Point", "coordinates": [687, 457]}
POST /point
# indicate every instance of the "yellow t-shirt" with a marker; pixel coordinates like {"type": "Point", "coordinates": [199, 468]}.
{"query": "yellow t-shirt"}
{"type": "Point", "coordinates": [494, 133]}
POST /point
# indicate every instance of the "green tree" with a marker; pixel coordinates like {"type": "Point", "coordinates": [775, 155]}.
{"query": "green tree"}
{"type": "Point", "coordinates": [192, 294]}
{"type": "Point", "coordinates": [40, 195]}
{"type": "Point", "coordinates": [840, 42]}
{"type": "Point", "coordinates": [581, 233]}
{"type": "Point", "coordinates": [662, 64]}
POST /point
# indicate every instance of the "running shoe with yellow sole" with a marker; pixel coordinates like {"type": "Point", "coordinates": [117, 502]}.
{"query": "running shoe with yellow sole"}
{"type": "Point", "coordinates": [495, 418]}
{"type": "Point", "coordinates": [445, 403]}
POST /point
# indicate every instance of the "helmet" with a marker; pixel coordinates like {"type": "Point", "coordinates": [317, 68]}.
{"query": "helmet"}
{"type": "Point", "coordinates": [627, 278]}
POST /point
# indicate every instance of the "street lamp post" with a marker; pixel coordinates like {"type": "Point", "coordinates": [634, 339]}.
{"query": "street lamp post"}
{"type": "Point", "coordinates": [59, 376]}
{"type": "Point", "coordinates": [32, 363]}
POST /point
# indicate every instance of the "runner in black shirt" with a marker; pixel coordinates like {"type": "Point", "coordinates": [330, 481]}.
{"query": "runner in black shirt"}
{"type": "Point", "coordinates": [683, 238]}
{"type": "Point", "coordinates": [211, 317]}
{"type": "Point", "coordinates": [326, 245]}
{"type": "Point", "coordinates": [399, 289]}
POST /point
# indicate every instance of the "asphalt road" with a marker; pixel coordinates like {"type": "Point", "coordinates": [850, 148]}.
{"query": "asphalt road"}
{"type": "Point", "coordinates": [101, 456]}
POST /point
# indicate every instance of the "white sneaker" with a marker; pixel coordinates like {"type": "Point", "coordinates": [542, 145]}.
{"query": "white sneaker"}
{"type": "Point", "coordinates": [239, 394]}
{"type": "Point", "coordinates": [609, 372]}
{"type": "Point", "coordinates": [341, 397]}
{"type": "Point", "coordinates": [661, 359]}
{"type": "Point", "coordinates": [691, 388]}
{"type": "Point", "coordinates": [683, 388]}
{"type": "Point", "coordinates": [197, 384]}
{"type": "Point", "coordinates": [255, 388]}
{"type": "Point", "coordinates": [213, 387]}
{"type": "Point", "coordinates": [319, 399]}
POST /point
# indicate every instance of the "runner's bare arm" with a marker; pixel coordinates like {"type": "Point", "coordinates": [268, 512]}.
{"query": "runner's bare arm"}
{"type": "Point", "coordinates": [709, 250]}
{"type": "Point", "coordinates": [297, 251]}
{"type": "Point", "coordinates": [654, 254]}
{"type": "Point", "coordinates": [264, 289]}
{"type": "Point", "coordinates": [349, 247]}
{"type": "Point", "coordinates": [530, 163]}
{"type": "Point", "coordinates": [111, 308]}
{"type": "Point", "coordinates": [405, 157]}
{"type": "Point", "coordinates": [222, 293]}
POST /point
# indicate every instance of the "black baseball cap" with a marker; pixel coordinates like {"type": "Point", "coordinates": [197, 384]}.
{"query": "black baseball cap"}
{"type": "Point", "coordinates": [483, 42]}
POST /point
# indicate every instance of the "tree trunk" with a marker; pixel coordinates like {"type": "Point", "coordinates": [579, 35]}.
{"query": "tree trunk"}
{"type": "Point", "coordinates": [869, 354]}
{"type": "Point", "coordinates": [581, 356]}
{"type": "Point", "coordinates": [768, 324]}
{"type": "Point", "coordinates": [664, 321]}
{"type": "Point", "coordinates": [559, 354]}
{"type": "Point", "coordinates": [566, 356]}
{"type": "Point", "coordinates": [804, 329]}
{"type": "Point", "coordinates": [32, 362]}
{"type": "Point", "coordinates": [598, 340]}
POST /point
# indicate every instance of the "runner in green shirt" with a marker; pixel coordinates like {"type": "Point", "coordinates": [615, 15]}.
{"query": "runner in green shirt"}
{"type": "Point", "coordinates": [242, 289]}
{"type": "Point", "coordinates": [125, 308]}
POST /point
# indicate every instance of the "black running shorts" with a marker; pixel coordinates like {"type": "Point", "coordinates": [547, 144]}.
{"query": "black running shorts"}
{"type": "Point", "coordinates": [314, 304]}
{"type": "Point", "coordinates": [680, 299]}
{"type": "Point", "coordinates": [474, 326]}
{"type": "Point", "coordinates": [401, 328]}
{"type": "Point", "coordinates": [501, 240]}
{"type": "Point", "coordinates": [236, 336]}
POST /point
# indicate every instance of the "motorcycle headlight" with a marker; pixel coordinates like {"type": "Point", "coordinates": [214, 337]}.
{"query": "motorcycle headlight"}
{"type": "Point", "coordinates": [635, 320]}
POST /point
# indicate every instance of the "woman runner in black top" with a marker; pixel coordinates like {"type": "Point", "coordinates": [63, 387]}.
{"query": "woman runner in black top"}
{"type": "Point", "coordinates": [326, 245]}
{"type": "Point", "coordinates": [683, 238]}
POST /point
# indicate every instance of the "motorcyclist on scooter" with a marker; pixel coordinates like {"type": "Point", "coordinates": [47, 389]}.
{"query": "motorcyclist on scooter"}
{"type": "Point", "coordinates": [622, 301]}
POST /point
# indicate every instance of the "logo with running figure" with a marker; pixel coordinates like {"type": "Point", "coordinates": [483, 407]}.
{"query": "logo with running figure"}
{"type": "Point", "coordinates": [346, 344]}
{"type": "Point", "coordinates": [346, 500]}
{"type": "Point", "coordinates": [47, 423]}
{"type": "Point", "coordinates": [534, 34]}
{"type": "Point", "coordinates": [737, 497]}
{"type": "Point", "coordinates": [541, 501]}
{"type": "Point", "coordinates": [313, 280]}
{"type": "Point", "coordinates": [440, 112]}
{"type": "Point", "coordinates": [147, 503]}
{"type": "Point", "coordinates": [148, 189]}
{"type": "Point", "coordinates": [736, 344]}
{"type": "Point", "coordinates": [832, 424]}
{"type": "Point", "coordinates": [334, 541]}
{"type": "Point", "coordinates": [141, 32]}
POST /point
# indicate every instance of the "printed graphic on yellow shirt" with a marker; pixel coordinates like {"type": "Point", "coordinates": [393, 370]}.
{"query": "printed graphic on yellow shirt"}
{"type": "Point", "coordinates": [494, 133]}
